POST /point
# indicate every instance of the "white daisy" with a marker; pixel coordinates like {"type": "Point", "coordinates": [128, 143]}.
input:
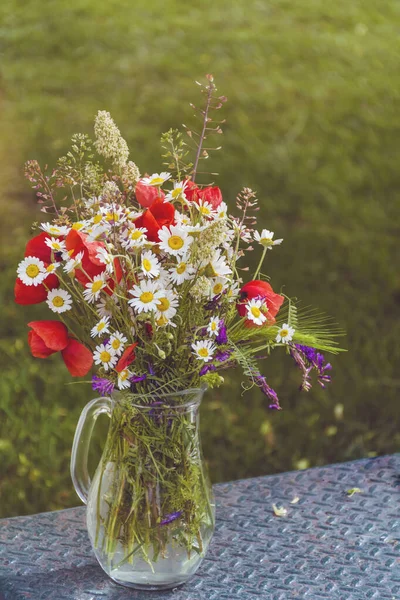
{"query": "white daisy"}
{"type": "Point", "coordinates": [54, 229]}
{"type": "Point", "coordinates": [218, 285]}
{"type": "Point", "coordinates": [156, 179]}
{"type": "Point", "coordinates": [213, 326]}
{"type": "Point", "coordinates": [135, 237]}
{"type": "Point", "coordinates": [114, 215]}
{"type": "Point", "coordinates": [32, 271]}
{"type": "Point", "coordinates": [150, 265]}
{"type": "Point", "coordinates": [93, 288]}
{"type": "Point", "coordinates": [163, 280]}
{"type": "Point", "coordinates": [145, 296]}
{"type": "Point", "coordinates": [285, 334]}
{"type": "Point", "coordinates": [233, 291]}
{"type": "Point", "coordinates": [205, 208]}
{"type": "Point", "coordinates": [117, 342]}
{"type": "Point", "coordinates": [73, 263]}
{"type": "Point", "coordinates": [178, 192]}
{"type": "Point", "coordinates": [217, 266]}
{"type": "Point", "coordinates": [80, 225]}
{"type": "Point", "coordinates": [204, 350]}
{"type": "Point", "coordinates": [59, 301]}
{"type": "Point", "coordinates": [254, 312]}
{"type": "Point", "coordinates": [55, 245]}
{"type": "Point", "coordinates": [222, 211]}
{"type": "Point", "coordinates": [123, 379]}
{"type": "Point", "coordinates": [174, 240]}
{"type": "Point", "coordinates": [182, 219]}
{"type": "Point", "coordinates": [163, 321]}
{"type": "Point", "coordinates": [52, 267]}
{"type": "Point", "coordinates": [106, 259]}
{"type": "Point", "coordinates": [181, 272]}
{"type": "Point", "coordinates": [104, 305]}
{"type": "Point", "coordinates": [95, 232]}
{"type": "Point", "coordinates": [105, 356]}
{"type": "Point", "coordinates": [265, 238]}
{"type": "Point", "coordinates": [166, 305]}
{"type": "Point", "coordinates": [101, 327]}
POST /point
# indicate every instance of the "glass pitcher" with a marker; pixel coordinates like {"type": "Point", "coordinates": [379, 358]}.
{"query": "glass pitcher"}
{"type": "Point", "coordinates": [150, 505]}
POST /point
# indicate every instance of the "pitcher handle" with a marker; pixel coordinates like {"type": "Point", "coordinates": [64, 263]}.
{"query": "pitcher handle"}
{"type": "Point", "coordinates": [80, 447]}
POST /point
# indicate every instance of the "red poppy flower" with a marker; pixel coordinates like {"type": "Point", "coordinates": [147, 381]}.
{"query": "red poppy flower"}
{"type": "Point", "coordinates": [127, 358]}
{"type": "Point", "coordinates": [210, 194]}
{"type": "Point", "coordinates": [147, 194]}
{"type": "Point", "coordinates": [34, 294]}
{"type": "Point", "coordinates": [260, 289]}
{"type": "Point", "coordinates": [160, 214]}
{"type": "Point", "coordinates": [48, 337]}
{"type": "Point", "coordinates": [78, 359]}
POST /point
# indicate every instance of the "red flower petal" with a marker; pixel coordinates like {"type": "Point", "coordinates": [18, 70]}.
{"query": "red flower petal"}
{"type": "Point", "coordinates": [37, 346]}
{"type": "Point", "coordinates": [163, 212]}
{"type": "Point", "coordinates": [34, 294]}
{"type": "Point", "coordinates": [53, 333]}
{"type": "Point", "coordinates": [37, 247]}
{"type": "Point", "coordinates": [191, 191]}
{"type": "Point", "coordinates": [213, 195]}
{"type": "Point", "coordinates": [78, 358]}
{"type": "Point", "coordinates": [260, 289]}
{"type": "Point", "coordinates": [127, 358]}
{"type": "Point", "coordinates": [147, 194]}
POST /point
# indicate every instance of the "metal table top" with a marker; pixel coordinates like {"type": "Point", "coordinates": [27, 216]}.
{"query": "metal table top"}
{"type": "Point", "coordinates": [329, 545]}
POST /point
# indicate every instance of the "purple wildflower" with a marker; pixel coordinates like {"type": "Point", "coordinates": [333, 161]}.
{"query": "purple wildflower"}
{"type": "Point", "coordinates": [207, 369]}
{"type": "Point", "coordinates": [268, 391]}
{"type": "Point", "coordinates": [151, 369]}
{"type": "Point", "coordinates": [171, 517]}
{"type": "Point", "coordinates": [137, 378]}
{"type": "Point", "coordinates": [102, 385]}
{"type": "Point", "coordinates": [307, 358]}
{"type": "Point", "coordinates": [214, 303]}
{"type": "Point", "coordinates": [223, 355]}
{"type": "Point", "coordinates": [222, 337]}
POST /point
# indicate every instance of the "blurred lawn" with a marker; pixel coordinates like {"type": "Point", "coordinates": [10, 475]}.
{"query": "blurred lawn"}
{"type": "Point", "coordinates": [313, 125]}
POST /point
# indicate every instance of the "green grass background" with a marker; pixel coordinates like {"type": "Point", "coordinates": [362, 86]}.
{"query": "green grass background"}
{"type": "Point", "coordinates": [313, 125]}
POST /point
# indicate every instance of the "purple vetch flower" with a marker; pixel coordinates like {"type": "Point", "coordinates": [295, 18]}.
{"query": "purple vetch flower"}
{"type": "Point", "coordinates": [137, 378]}
{"type": "Point", "coordinates": [222, 337]}
{"type": "Point", "coordinates": [215, 302]}
{"type": "Point", "coordinates": [223, 355]}
{"type": "Point", "coordinates": [307, 358]}
{"type": "Point", "coordinates": [102, 385]}
{"type": "Point", "coordinates": [207, 369]}
{"type": "Point", "coordinates": [171, 517]}
{"type": "Point", "coordinates": [151, 369]}
{"type": "Point", "coordinates": [268, 391]}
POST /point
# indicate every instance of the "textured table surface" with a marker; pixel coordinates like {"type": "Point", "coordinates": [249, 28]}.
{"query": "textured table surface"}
{"type": "Point", "coordinates": [328, 546]}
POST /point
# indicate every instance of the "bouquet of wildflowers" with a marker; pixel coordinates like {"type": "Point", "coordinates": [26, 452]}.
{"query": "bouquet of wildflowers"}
{"type": "Point", "coordinates": [146, 280]}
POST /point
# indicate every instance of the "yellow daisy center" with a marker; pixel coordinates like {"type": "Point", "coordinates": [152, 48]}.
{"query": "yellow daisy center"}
{"type": "Point", "coordinates": [163, 304]}
{"type": "Point", "coordinates": [157, 181]}
{"type": "Point", "coordinates": [222, 214]}
{"type": "Point", "coordinates": [56, 246]}
{"type": "Point", "coordinates": [176, 192]}
{"type": "Point", "coordinates": [175, 242]}
{"type": "Point", "coordinates": [213, 326]}
{"type": "Point", "coordinates": [77, 226]}
{"type": "Point", "coordinates": [135, 234]}
{"type": "Point", "coordinates": [116, 344]}
{"type": "Point", "coordinates": [112, 216]}
{"type": "Point", "coordinates": [32, 271]}
{"type": "Point", "coordinates": [203, 352]}
{"type": "Point", "coordinates": [100, 326]}
{"type": "Point", "coordinates": [54, 230]}
{"type": "Point", "coordinates": [283, 333]}
{"type": "Point", "coordinates": [58, 301]}
{"type": "Point", "coordinates": [162, 321]}
{"type": "Point", "coordinates": [97, 219]}
{"type": "Point", "coordinates": [266, 241]}
{"type": "Point", "coordinates": [146, 297]}
{"type": "Point", "coordinates": [181, 268]}
{"type": "Point", "coordinates": [105, 356]}
{"type": "Point", "coordinates": [96, 286]}
{"type": "Point", "coordinates": [123, 375]}
{"type": "Point", "coordinates": [217, 289]}
{"type": "Point", "coordinates": [204, 210]}
{"type": "Point", "coordinates": [50, 268]}
{"type": "Point", "coordinates": [146, 264]}
{"type": "Point", "coordinates": [255, 311]}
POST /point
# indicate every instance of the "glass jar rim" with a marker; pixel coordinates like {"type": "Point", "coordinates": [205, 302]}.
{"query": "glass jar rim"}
{"type": "Point", "coordinates": [197, 392]}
